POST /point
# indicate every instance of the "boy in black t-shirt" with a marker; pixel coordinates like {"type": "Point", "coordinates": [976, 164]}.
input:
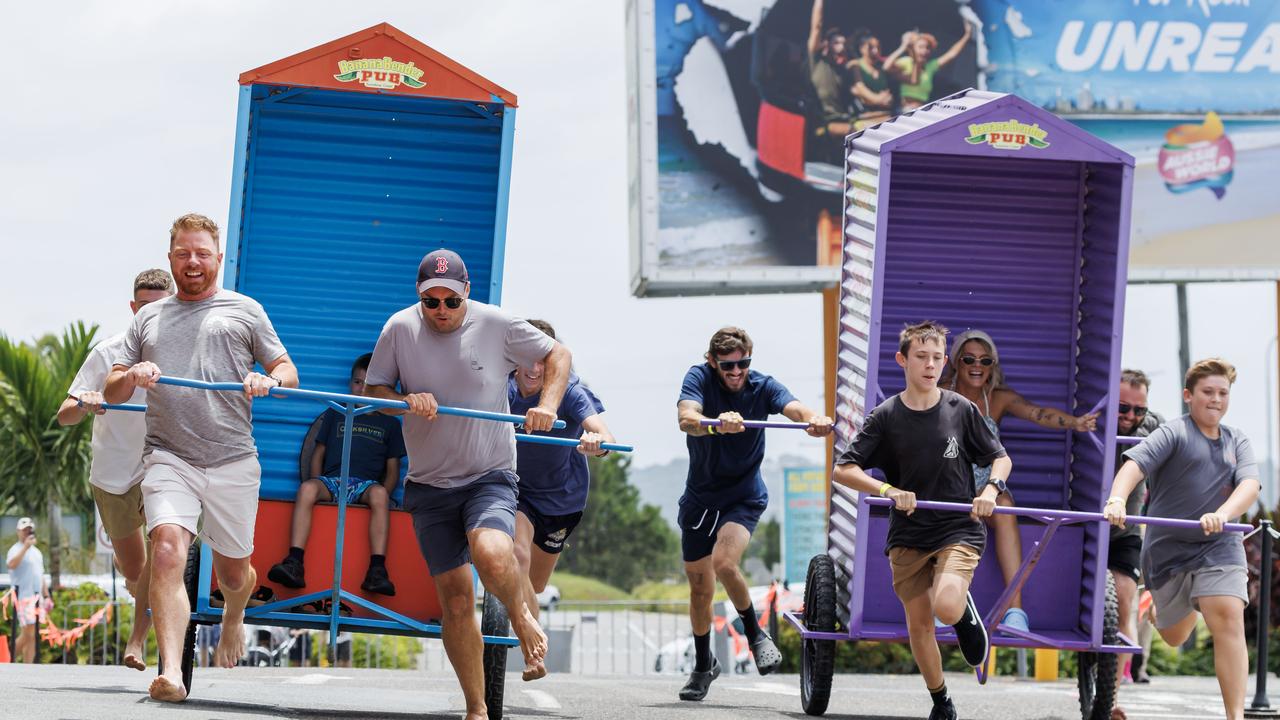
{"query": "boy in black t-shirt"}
{"type": "Point", "coordinates": [925, 441]}
{"type": "Point", "coordinates": [377, 445]}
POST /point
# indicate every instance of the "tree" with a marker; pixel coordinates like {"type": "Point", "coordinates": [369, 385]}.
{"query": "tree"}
{"type": "Point", "coordinates": [766, 543]}
{"type": "Point", "coordinates": [620, 540]}
{"type": "Point", "coordinates": [42, 464]}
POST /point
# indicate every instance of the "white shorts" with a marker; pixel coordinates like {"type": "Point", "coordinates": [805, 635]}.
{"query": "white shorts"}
{"type": "Point", "coordinates": [174, 492]}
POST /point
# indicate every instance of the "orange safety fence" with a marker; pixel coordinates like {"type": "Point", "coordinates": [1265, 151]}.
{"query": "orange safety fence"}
{"type": "Point", "coordinates": [50, 632]}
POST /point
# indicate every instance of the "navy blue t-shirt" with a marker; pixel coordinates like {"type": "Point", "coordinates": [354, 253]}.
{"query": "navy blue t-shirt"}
{"type": "Point", "coordinates": [553, 478]}
{"type": "Point", "coordinates": [724, 470]}
{"type": "Point", "coordinates": [377, 439]}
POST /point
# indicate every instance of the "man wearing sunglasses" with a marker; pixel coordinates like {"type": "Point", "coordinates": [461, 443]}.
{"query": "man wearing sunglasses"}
{"type": "Point", "coordinates": [1133, 419]}
{"type": "Point", "coordinates": [461, 487]}
{"type": "Point", "coordinates": [724, 494]}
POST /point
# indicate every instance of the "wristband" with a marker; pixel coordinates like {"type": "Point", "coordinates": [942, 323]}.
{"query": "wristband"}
{"type": "Point", "coordinates": [1115, 499]}
{"type": "Point", "coordinates": [886, 487]}
{"type": "Point", "coordinates": [711, 429]}
{"type": "Point", "coordinates": [279, 382]}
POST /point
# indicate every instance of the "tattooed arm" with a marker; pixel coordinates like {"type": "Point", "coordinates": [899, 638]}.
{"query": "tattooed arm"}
{"type": "Point", "coordinates": [1018, 406]}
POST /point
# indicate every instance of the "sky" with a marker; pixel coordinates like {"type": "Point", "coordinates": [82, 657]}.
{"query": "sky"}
{"type": "Point", "coordinates": [118, 118]}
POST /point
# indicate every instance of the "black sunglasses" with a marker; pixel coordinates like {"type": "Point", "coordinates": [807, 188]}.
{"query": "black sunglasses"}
{"type": "Point", "coordinates": [1138, 410]}
{"type": "Point", "coordinates": [727, 365]}
{"type": "Point", "coordinates": [453, 302]}
{"type": "Point", "coordinates": [984, 362]}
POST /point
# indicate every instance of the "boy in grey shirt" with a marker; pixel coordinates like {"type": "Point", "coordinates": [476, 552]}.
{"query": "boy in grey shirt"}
{"type": "Point", "coordinates": [1197, 468]}
{"type": "Point", "coordinates": [199, 458]}
{"type": "Point", "coordinates": [461, 487]}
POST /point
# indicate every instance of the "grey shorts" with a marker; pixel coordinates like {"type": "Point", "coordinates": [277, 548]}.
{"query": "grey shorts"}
{"type": "Point", "coordinates": [442, 517]}
{"type": "Point", "coordinates": [1180, 594]}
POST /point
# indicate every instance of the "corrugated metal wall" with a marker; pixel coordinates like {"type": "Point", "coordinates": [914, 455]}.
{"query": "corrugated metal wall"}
{"type": "Point", "coordinates": [1100, 319]}
{"type": "Point", "coordinates": [344, 194]}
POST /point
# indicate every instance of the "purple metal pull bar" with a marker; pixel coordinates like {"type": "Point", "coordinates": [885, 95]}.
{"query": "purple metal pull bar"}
{"type": "Point", "coordinates": [760, 424]}
{"type": "Point", "coordinates": [1074, 515]}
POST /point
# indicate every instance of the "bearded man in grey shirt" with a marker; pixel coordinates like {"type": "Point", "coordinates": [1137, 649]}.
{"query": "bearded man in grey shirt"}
{"type": "Point", "coordinates": [199, 457]}
{"type": "Point", "coordinates": [461, 487]}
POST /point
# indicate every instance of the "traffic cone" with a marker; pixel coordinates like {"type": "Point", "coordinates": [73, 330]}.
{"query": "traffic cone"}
{"type": "Point", "coordinates": [4, 649]}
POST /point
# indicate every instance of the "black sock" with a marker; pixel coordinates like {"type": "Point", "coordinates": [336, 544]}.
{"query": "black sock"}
{"type": "Point", "coordinates": [750, 624]}
{"type": "Point", "coordinates": [377, 561]}
{"type": "Point", "coordinates": [940, 696]}
{"type": "Point", "coordinates": [295, 553]}
{"type": "Point", "coordinates": [702, 652]}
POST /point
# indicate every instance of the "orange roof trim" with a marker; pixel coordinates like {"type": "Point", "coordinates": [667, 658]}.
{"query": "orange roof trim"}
{"type": "Point", "coordinates": [380, 59]}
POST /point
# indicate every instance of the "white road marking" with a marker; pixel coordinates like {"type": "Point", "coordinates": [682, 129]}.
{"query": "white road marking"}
{"type": "Point", "coordinates": [542, 699]}
{"type": "Point", "coordinates": [315, 679]}
{"type": "Point", "coordinates": [769, 687]}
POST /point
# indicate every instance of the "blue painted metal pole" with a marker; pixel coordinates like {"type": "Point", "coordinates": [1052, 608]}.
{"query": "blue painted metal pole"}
{"type": "Point", "coordinates": [569, 442]}
{"type": "Point", "coordinates": [348, 424]}
{"type": "Point", "coordinates": [344, 398]}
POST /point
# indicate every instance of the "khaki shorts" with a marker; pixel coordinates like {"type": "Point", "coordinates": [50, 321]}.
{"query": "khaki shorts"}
{"type": "Point", "coordinates": [914, 570]}
{"type": "Point", "coordinates": [1180, 594]}
{"type": "Point", "coordinates": [121, 514]}
{"type": "Point", "coordinates": [176, 492]}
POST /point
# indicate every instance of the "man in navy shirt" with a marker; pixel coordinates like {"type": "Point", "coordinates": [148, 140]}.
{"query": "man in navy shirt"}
{"type": "Point", "coordinates": [376, 448]}
{"type": "Point", "coordinates": [553, 478]}
{"type": "Point", "coordinates": [724, 494]}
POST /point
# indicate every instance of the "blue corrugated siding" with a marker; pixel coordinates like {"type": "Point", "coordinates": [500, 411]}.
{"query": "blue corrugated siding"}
{"type": "Point", "coordinates": [343, 195]}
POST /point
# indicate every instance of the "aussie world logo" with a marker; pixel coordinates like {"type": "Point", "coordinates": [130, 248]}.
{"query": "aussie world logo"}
{"type": "Point", "coordinates": [1197, 156]}
{"type": "Point", "coordinates": [1007, 135]}
{"type": "Point", "coordinates": [380, 73]}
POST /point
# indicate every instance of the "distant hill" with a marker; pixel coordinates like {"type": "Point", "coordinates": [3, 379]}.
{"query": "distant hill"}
{"type": "Point", "coordinates": [662, 485]}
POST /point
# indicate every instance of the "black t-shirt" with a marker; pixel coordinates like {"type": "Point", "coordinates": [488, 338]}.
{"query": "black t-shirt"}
{"type": "Point", "coordinates": [378, 437]}
{"type": "Point", "coordinates": [930, 453]}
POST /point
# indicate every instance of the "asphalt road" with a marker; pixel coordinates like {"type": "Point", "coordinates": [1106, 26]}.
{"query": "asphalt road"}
{"type": "Point", "coordinates": [105, 693]}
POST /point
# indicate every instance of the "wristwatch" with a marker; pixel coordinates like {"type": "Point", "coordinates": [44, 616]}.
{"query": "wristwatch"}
{"type": "Point", "coordinates": [1002, 487]}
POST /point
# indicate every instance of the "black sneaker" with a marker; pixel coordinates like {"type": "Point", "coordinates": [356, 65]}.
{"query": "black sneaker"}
{"type": "Point", "coordinates": [289, 573]}
{"type": "Point", "coordinates": [376, 580]}
{"type": "Point", "coordinates": [765, 653]}
{"type": "Point", "coordinates": [972, 635]}
{"type": "Point", "coordinates": [699, 682]}
{"type": "Point", "coordinates": [945, 711]}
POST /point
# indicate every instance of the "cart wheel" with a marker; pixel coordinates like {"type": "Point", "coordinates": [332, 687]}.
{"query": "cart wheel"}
{"type": "Point", "coordinates": [494, 621]}
{"type": "Point", "coordinates": [817, 657]}
{"type": "Point", "coordinates": [190, 579]}
{"type": "Point", "coordinates": [1097, 671]}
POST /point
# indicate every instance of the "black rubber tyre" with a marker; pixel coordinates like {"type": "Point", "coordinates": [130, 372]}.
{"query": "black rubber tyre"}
{"type": "Point", "coordinates": [190, 579]}
{"type": "Point", "coordinates": [494, 621]}
{"type": "Point", "coordinates": [1096, 678]}
{"type": "Point", "coordinates": [817, 657]}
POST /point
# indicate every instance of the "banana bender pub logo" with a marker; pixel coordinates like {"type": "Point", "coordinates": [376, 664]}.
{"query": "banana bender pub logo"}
{"type": "Point", "coordinates": [380, 73]}
{"type": "Point", "coordinates": [1007, 135]}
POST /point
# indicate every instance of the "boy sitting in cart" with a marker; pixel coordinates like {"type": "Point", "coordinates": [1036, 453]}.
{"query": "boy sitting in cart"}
{"type": "Point", "coordinates": [376, 448]}
{"type": "Point", "coordinates": [926, 440]}
{"type": "Point", "coordinates": [1197, 468]}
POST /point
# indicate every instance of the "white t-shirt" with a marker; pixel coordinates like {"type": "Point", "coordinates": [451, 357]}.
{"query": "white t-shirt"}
{"type": "Point", "coordinates": [117, 435]}
{"type": "Point", "coordinates": [29, 575]}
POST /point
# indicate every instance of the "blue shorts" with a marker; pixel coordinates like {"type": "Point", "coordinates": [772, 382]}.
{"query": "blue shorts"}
{"type": "Point", "coordinates": [442, 517]}
{"type": "Point", "coordinates": [355, 487]}
{"type": "Point", "coordinates": [699, 525]}
{"type": "Point", "coordinates": [549, 531]}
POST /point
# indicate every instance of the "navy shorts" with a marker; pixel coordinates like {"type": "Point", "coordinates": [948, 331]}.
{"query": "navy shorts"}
{"type": "Point", "coordinates": [442, 517]}
{"type": "Point", "coordinates": [549, 531]}
{"type": "Point", "coordinates": [699, 525]}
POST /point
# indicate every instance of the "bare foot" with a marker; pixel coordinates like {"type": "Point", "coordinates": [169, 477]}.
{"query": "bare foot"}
{"type": "Point", "coordinates": [1117, 713]}
{"type": "Point", "coordinates": [534, 672]}
{"type": "Point", "coordinates": [533, 642]}
{"type": "Point", "coordinates": [165, 689]}
{"type": "Point", "coordinates": [133, 658]}
{"type": "Point", "coordinates": [230, 646]}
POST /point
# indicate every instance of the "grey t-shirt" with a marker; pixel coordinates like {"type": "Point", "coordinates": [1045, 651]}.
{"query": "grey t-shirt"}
{"type": "Point", "coordinates": [217, 339]}
{"type": "Point", "coordinates": [1133, 506]}
{"type": "Point", "coordinates": [465, 368]}
{"type": "Point", "coordinates": [1187, 476]}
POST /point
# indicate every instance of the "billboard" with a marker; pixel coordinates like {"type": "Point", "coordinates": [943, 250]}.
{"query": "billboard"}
{"type": "Point", "coordinates": [738, 108]}
{"type": "Point", "coordinates": [804, 519]}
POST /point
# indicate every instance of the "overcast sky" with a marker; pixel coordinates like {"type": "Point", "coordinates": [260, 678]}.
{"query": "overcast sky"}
{"type": "Point", "coordinates": [120, 117]}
